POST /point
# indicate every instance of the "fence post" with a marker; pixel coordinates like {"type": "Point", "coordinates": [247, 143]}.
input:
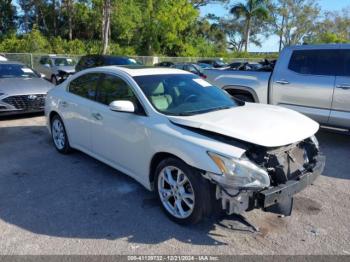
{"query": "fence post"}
{"type": "Point", "coordinates": [31, 60]}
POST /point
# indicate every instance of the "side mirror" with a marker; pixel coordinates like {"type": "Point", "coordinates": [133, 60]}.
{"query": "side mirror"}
{"type": "Point", "coordinates": [122, 106]}
{"type": "Point", "coordinates": [47, 65]}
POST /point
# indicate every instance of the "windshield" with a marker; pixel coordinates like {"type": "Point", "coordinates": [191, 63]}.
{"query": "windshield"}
{"type": "Point", "coordinates": [183, 95]}
{"type": "Point", "coordinates": [121, 61]}
{"type": "Point", "coordinates": [63, 61]}
{"type": "Point", "coordinates": [16, 71]}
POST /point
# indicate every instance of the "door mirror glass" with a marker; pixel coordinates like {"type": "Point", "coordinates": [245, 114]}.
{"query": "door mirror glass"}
{"type": "Point", "coordinates": [122, 106]}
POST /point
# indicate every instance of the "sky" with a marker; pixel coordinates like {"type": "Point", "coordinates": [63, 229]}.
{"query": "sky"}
{"type": "Point", "coordinates": [271, 44]}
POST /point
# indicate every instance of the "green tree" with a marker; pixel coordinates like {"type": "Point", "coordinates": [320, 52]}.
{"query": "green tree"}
{"type": "Point", "coordinates": [7, 17]}
{"type": "Point", "coordinates": [294, 20]}
{"type": "Point", "coordinates": [199, 3]}
{"type": "Point", "coordinates": [251, 10]}
{"type": "Point", "coordinates": [166, 26]}
{"type": "Point", "coordinates": [333, 28]}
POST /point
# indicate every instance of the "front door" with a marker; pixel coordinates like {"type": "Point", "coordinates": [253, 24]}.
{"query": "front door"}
{"type": "Point", "coordinates": [118, 137]}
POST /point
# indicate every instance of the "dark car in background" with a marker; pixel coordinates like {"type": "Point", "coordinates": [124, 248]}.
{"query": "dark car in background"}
{"type": "Point", "coordinates": [245, 66]}
{"type": "Point", "coordinates": [205, 66]}
{"type": "Point", "coordinates": [216, 63]}
{"type": "Point", "coordinates": [190, 67]}
{"type": "Point", "coordinates": [165, 64]}
{"type": "Point", "coordinates": [22, 90]}
{"type": "Point", "coordinates": [90, 61]}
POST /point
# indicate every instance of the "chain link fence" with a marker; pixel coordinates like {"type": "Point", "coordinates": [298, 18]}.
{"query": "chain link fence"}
{"type": "Point", "coordinates": [32, 60]}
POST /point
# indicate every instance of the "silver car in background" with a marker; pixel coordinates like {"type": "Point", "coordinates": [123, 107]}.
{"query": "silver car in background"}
{"type": "Point", "coordinates": [21, 89]}
{"type": "Point", "coordinates": [56, 68]}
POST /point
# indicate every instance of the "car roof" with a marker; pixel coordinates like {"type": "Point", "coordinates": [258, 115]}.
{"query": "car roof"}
{"type": "Point", "coordinates": [54, 57]}
{"type": "Point", "coordinates": [10, 63]}
{"type": "Point", "coordinates": [143, 71]}
{"type": "Point", "coordinates": [211, 60]}
{"type": "Point", "coordinates": [106, 56]}
{"type": "Point", "coordinates": [318, 46]}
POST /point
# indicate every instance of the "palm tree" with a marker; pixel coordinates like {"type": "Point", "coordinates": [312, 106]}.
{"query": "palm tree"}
{"type": "Point", "coordinates": [250, 10]}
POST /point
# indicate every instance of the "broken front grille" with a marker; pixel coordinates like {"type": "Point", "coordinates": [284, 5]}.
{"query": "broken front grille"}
{"type": "Point", "coordinates": [287, 162]}
{"type": "Point", "coordinates": [26, 102]}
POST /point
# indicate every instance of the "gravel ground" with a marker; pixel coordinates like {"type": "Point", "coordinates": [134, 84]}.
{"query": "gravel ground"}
{"type": "Point", "coordinates": [56, 204]}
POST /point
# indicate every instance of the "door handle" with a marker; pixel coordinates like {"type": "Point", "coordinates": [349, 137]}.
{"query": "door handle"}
{"type": "Point", "coordinates": [63, 104]}
{"type": "Point", "coordinates": [97, 116]}
{"type": "Point", "coordinates": [343, 86]}
{"type": "Point", "coordinates": [282, 82]}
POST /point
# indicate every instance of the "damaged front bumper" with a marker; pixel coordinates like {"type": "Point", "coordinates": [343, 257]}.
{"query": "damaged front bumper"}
{"type": "Point", "coordinates": [278, 199]}
{"type": "Point", "coordinates": [277, 194]}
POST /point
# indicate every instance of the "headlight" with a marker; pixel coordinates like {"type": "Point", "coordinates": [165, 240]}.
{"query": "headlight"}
{"type": "Point", "coordinates": [240, 172]}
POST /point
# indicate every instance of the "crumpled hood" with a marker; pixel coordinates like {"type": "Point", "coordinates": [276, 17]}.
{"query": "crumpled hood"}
{"type": "Point", "coordinates": [265, 125]}
{"type": "Point", "coordinates": [21, 86]}
{"type": "Point", "coordinates": [67, 69]}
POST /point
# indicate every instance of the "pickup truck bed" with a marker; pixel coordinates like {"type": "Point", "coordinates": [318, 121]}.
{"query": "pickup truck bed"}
{"type": "Point", "coordinates": [250, 83]}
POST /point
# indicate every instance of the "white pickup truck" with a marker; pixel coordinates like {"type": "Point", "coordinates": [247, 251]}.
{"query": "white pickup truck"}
{"type": "Point", "coordinates": [311, 79]}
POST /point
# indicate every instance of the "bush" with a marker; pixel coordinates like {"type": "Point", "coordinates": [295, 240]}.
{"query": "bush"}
{"type": "Point", "coordinates": [35, 42]}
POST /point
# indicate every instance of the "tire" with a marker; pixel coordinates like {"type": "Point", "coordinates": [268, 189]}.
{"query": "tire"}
{"type": "Point", "coordinates": [54, 80]}
{"type": "Point", "coordinates": [195, 185]}
{"type": "Point", "coordinates": [244, 98]}
{"type": "Point", "coordinates": [59, 135]}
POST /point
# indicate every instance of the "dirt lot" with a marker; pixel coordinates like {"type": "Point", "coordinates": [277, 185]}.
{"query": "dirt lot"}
{"type": "Point", "coordinates": [56, 204]}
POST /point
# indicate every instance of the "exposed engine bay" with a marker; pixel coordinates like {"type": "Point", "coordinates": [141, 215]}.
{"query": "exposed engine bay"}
{"type": "Point", "coordinates": [291, 168]}
{"type": "Point", "coordinates": [287, 162]}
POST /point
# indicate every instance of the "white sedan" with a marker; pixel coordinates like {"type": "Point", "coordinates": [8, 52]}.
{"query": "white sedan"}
{"type": "Point", "coordinates": [186, 139]}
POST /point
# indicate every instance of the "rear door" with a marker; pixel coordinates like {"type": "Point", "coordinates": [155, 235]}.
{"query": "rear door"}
{"type": "Point", "coordinates": [340, 113]}
{"type": "Point", "coordinates": [76, 110]}
{"type": "Point", "coordinates": [304, 81]}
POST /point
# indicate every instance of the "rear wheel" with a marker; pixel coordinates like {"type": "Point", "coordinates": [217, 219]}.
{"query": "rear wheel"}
{"type": "Point", "coordinates": [183, 193]}
{"type": "Point", "coordinates": [59, 135]}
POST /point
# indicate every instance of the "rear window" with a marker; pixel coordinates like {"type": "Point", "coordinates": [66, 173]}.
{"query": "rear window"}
{"type": "Point", "coordinates": [315, 62]}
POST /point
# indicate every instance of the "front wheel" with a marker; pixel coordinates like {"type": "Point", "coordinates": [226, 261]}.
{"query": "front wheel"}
{"type": "Point", "coordinates": [183, 193]}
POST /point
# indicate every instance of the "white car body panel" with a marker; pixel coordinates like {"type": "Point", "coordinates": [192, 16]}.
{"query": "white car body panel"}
{"type": "Point", "coordinates": [128, 142]}
{"type": "Point", "coordinates": [2, 58]}
{"type": "Point", "coordinates": [264, 125]}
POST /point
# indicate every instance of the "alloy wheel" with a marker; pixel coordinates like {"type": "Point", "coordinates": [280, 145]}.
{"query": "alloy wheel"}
{"type": "Point", "coordinates": [58, 134]}
{"type": "Point", "coordinates": [176, 192]}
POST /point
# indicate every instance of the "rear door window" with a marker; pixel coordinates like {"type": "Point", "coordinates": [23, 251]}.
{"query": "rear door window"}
{"type": "Point", "coordinates": [315, 62]}
{"type": "Point", "coordinates": [345, 55]}
{"type": "Point", "coordinates": [112, 88]}
{"type": "Point", "coordinates": [85, 86]}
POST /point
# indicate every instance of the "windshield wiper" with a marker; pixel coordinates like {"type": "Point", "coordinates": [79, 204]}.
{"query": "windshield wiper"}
{"type": "Point", "coordinates": [204, 111]}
